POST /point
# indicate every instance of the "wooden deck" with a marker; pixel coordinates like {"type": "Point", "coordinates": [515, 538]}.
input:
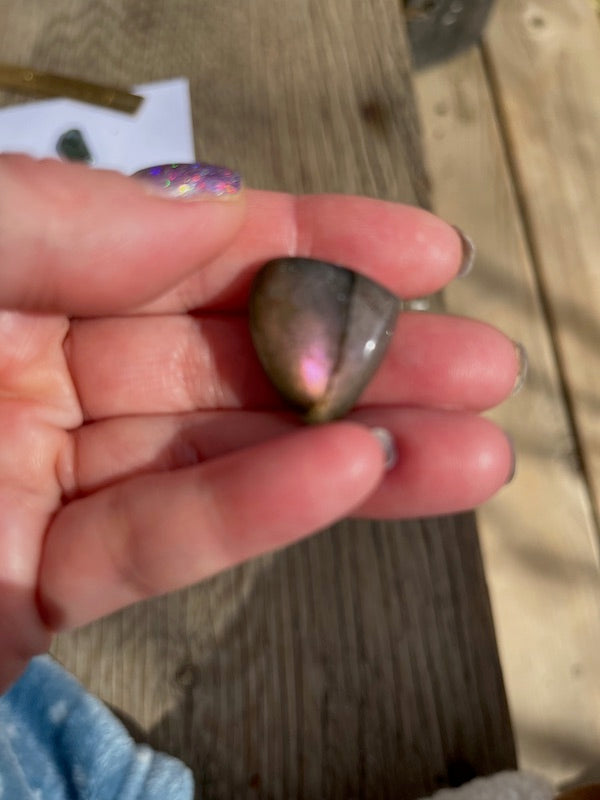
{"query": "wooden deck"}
{"type": "Point", "coordinates": [512, 133]}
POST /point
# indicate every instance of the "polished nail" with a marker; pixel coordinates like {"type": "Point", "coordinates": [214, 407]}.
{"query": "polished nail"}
{"type": "Point", "coordinates": [523, 362]}
{"type": "Point", "coordinates": [513, 459]}
{"type": "Point", "coordinates": [191, 181]}
{"type": "Point", "coordinates": [388, 445]}
{"type": "Point", "coordinates": [468, 253]}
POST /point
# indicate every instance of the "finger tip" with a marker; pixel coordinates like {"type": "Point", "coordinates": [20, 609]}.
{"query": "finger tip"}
{"type": "Point", "coordinates": [356, 454]}
{"type": "Point", "coordinates": [433, 252]}
{"type": "Point", "coordinates": [448, 462]}
{"type": "Point", "coordinates": [445, 247]}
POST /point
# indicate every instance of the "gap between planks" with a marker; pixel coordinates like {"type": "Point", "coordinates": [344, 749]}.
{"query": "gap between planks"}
{"type": "Point", "coordinates": [539, 536]}
{"type": "Point", "coordinates": [543, 60]}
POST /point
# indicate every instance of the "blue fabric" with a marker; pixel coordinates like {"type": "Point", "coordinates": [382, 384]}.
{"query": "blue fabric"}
{"type": "Point", "coordinates": [57, 742]}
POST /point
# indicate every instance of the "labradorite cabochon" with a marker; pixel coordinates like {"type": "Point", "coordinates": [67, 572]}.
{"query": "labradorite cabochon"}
{"type": "Point", "coordinates": [320, 331]}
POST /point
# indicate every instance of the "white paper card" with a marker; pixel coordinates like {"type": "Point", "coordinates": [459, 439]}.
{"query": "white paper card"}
{"type": "Point", "coordinates": [159, 133]}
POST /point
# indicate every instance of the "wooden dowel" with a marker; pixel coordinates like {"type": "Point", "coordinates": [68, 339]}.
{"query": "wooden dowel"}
{"type": "Point", "coordinates": [44, 84]}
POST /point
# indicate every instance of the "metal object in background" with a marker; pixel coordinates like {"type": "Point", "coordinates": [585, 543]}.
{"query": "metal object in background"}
{"type": "Point", "coordinates": [438, 29]}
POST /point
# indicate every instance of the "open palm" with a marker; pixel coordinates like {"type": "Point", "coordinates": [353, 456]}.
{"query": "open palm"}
{"type": "Point", "coordinates": [142, 448]}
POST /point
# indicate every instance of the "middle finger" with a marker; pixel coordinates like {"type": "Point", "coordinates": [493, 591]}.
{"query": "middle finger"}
{"type": "Point", "coordinates": [174, 364]}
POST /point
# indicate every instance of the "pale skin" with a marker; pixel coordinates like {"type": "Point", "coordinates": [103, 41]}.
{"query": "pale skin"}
{"type": "Point", "coordinates": [142, 448]}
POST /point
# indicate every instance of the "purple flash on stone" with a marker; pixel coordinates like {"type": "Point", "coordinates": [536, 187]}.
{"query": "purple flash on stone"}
{"type": "Point", "coordinates": [190, 180]}
{"type": "Point", "coordinates": [320, 331]}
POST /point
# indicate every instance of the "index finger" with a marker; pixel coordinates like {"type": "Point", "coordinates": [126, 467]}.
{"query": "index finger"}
{"type": "Point", "coordinates": [84, 242]}
{"type": "Point", "coordinates": [407, 249]}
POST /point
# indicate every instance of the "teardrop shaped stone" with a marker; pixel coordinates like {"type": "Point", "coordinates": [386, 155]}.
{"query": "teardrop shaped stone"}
{"type": "Point", "coordinates": [320, 331]}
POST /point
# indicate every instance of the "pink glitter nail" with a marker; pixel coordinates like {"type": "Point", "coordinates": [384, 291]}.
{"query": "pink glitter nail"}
{"type": "Point", "coordinates": [191, 180]}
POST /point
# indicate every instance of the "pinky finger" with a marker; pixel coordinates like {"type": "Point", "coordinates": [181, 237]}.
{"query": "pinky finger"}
{"type": "Point", "coordinates": [155, 533]}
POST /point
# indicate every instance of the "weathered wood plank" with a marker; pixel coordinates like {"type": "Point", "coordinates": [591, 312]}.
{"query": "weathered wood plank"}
{"type": "Point", "coordinates": [362, 662]}
{"type": "Point", "coordinates": [539, 535]}
{"type": "Point", "coordinates": [545, 60]}
{"type": "Point", "coordinates": [357, 663]}
{"type": "Point", "coordinates": [253, 80]}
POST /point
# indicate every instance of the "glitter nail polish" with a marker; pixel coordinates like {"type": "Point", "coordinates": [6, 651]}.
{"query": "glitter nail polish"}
{"type": "Point", "coordinates": [191, 181]}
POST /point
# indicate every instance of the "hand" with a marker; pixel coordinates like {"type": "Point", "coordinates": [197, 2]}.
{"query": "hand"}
{"type": "Point", "coordinates": [142, 449]}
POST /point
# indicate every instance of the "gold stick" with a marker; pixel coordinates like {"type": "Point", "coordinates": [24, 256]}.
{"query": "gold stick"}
{"type": "Point", "coordinates": [31, 81]}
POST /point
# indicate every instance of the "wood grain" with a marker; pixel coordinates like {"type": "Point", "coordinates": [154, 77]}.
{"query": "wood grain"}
{"type": "Point", "coordinates": [539, 536]}
{"type": "Point", "coordinates": [356, 664]}
{"type": "Point", "coordinates": [334, 76]}
{"type": "Point", "coordinates": [360, 663]}
{"type": "Point", "coordinates": [550, 50]}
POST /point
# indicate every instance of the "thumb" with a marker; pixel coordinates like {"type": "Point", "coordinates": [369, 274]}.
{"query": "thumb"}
{"type": "Point", "coordinates": [85, 242]}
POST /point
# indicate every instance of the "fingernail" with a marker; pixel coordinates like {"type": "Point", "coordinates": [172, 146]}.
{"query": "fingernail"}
{"type": "Point", "coordinates": [191, 181]}
{"type": "Point", "coordinates": [523, 362]}
{"type": "Point", "coordinates": [513, 459]}
{"type": "Point", "coordinates": [468, 251]}
{"type": "Point", "coordinates": [388, 445]}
